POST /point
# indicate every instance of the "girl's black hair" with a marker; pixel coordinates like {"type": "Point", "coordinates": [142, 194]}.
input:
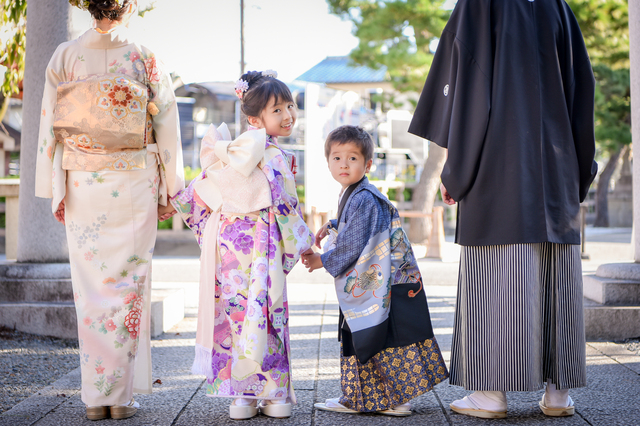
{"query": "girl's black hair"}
{"type": "Point", "coordinates": [109, 9]}
{"type": "Point", "coordinates": [261, 89]}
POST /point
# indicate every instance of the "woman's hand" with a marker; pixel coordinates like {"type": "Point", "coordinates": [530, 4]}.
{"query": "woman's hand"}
{"type": "Point", "coordinates": [165, 212]}
{"type": "Point", "coordinates": [446, 197]}
{"type": "Point", "coordinates": [322, 232]}
{"type": "Point", "coordinates": [59, 214]}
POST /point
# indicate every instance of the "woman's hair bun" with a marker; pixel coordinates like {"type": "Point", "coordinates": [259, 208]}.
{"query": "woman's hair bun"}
{"type": "Point", "coordinates": [101, 9]}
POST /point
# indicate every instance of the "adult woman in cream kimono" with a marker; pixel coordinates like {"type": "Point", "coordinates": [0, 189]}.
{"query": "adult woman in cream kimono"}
{"type": "Point", "coordinates": [109, 155]}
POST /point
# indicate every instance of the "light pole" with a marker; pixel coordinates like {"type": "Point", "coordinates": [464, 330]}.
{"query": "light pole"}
{"type": "Point", "coordinates": [241, 37]}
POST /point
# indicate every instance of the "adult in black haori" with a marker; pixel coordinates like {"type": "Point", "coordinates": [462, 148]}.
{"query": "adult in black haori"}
{"type": "Point", "coordinates": [510, 94]}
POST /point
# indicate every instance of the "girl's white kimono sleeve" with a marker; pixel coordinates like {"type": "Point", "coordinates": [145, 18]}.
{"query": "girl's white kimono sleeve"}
{"type": "Point", "coordinates": [50, 177]}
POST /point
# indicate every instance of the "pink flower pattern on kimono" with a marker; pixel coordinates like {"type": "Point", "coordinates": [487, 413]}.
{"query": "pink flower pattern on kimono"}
{"type": "Point", "coordinates": [104, 331]}
{"type": "Point", "coordinates": [110, 325]}
{"type": "Point", "coordinates": [153, 72]}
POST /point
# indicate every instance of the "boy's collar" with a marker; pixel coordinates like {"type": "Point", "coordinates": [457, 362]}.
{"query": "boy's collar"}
{"type": "Point", "coordinates": [361, 182]}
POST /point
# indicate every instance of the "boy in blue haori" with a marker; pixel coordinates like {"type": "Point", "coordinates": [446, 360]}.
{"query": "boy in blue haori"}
{"type": "Point", "coordinates": [388, 358]}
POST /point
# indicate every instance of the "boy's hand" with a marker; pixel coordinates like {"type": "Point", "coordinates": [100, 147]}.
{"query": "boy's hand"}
{"type": "Point", "coordinates": [322, 232]}
{"type": "Point", "coordinates": [312, 261]}
{"type": "Point", "coordinates": [165, 212]}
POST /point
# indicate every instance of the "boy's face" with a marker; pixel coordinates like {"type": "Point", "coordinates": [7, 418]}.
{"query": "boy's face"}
{"type": "Point", "coordinates": [347, 164]}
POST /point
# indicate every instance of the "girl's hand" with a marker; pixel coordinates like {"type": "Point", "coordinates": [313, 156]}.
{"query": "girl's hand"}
{"type": "Point", "coordinates": [312, 261]}
{"type": "Point", "coordinates": [59, 214]}
{"type": "Point", "coordinates": [322, 232]}
{"type": "Point", "coordinates": [446, 197]}
{"type": "Point", "coordinates": [165, 212]}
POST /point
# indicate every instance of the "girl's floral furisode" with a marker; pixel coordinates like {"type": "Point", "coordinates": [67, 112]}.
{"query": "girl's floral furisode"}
{"type": "Point", "coordinates": [250, 356]}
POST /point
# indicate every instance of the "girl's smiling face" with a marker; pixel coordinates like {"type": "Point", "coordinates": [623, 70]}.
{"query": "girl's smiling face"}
{"type": "Point", "coordinates": [277, 118]}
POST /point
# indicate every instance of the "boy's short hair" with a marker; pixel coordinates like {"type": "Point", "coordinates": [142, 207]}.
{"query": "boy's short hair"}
{"type": "Point", "coordinates": [350, 134]}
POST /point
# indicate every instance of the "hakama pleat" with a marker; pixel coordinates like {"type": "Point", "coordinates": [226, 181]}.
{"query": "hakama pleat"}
{"type": "Point", "coordinates": [519, 318]}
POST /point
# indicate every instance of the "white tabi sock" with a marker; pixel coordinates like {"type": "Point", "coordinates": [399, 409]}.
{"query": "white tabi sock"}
{"type": "Point", "coordinates": [241, 402]}
{"type": "Point", "coordinates": [556, 398]}
{"type": "Point", "coordinates": [489, 400]}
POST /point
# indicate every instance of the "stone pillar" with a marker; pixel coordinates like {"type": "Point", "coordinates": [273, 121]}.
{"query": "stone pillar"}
{"type": "Point", "coordinates": [40, 237]}
{"type": "Point", "coordinates": [35, 292]}
{"type": "Point", "coordinates": [634, 56]}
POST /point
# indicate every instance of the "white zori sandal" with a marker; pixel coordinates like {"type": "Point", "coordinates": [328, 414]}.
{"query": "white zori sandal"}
{"type": "Point", "coordinates": [483, 404]}
{"type": "Point", "coordinates": [556, 403]}
{"type": "Point", "coordinates": [242, 408]}
{"type": "Point", "coordinates": [124, 411]}
{"type": "Point", "coordinates": [398, 411]}
{"type": "Point", "coordinates": [333, 405]}
{"type": "Point", "coordinates": [278, 408]}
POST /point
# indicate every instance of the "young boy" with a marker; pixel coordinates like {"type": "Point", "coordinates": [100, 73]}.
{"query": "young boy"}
{"type": "Point", "coordinates": [388, 352]}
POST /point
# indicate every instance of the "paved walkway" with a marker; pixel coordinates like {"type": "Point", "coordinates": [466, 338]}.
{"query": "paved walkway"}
{"type": "Point", "coordinates": [179, 397]}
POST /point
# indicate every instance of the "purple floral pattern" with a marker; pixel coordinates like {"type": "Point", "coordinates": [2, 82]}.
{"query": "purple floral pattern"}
{"type": "Point", "coordinates": [250, 357]}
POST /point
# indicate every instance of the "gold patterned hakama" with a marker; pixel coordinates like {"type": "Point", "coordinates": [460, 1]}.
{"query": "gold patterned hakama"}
{"type": "Point", "coordinates": [392, 377]}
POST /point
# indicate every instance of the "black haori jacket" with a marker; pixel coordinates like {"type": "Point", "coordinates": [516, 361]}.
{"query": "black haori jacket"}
{"type": "Point", "coordinates": [510, 93]}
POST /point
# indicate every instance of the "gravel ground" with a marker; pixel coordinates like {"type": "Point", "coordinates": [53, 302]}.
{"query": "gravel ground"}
{"type": "Point", "coordinates": [29, 362]}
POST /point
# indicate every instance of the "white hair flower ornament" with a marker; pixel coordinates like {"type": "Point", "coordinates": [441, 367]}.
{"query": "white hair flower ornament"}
{"type": "Point", "coordinates": [241, 87]}
{"type": "Point", "coordinates": [269, 73]}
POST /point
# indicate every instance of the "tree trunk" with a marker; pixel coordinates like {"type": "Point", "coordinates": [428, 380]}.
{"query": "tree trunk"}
{"type": "Point", "coordinates": [4, 102]}
{"type": "Point", "coordinates": [424, 194]}
{"type": "Point", "coordinates": [602, 190]}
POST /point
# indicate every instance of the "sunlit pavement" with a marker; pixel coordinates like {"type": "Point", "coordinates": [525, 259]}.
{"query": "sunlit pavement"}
{"type": "Point", "coordinates": [179, 397]}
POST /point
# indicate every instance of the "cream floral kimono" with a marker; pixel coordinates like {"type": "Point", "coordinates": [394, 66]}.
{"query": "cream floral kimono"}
{"type": "Point", "coordinates": [111, 212]}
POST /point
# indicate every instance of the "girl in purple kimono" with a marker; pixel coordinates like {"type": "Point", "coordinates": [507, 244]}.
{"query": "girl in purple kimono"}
{"type": "Point", "coordinates": [244, 211]}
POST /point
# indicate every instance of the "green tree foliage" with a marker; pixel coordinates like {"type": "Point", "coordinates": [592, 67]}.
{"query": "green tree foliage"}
{"type": "Point", "coordinates": [605, 27]}
{"type": "Point", "coordinates": [13, 19]}
{"type": "Point", "coordinates": [613, 111]}
{"type": "Point", "coordinates": [396, 34]}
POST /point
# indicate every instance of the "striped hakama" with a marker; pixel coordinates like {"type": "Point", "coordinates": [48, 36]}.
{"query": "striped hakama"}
{"type": "Point", "coordinates": [519, 318]}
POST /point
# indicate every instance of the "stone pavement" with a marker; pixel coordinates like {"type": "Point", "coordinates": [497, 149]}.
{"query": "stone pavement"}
{"type": "Point", "coordinates": [179, 398]}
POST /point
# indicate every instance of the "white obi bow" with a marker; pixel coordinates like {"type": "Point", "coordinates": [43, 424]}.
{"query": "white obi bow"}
{"type": "Point", "coordinates": [234, 182]}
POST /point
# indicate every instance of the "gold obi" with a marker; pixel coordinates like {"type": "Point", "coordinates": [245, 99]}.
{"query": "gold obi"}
{"type": "Point", "coordinates": [103, 123]}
